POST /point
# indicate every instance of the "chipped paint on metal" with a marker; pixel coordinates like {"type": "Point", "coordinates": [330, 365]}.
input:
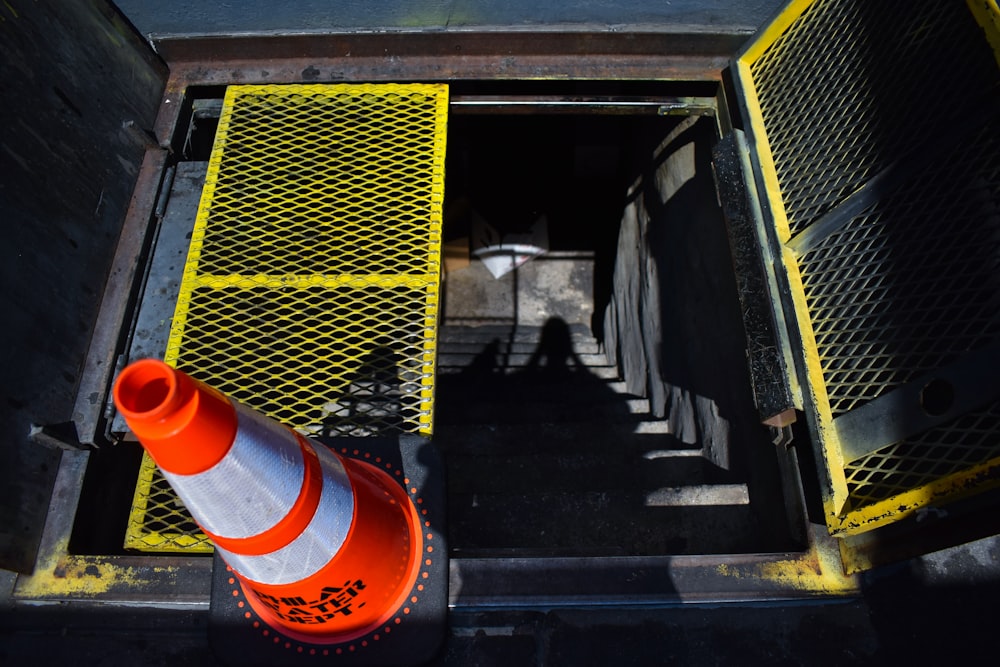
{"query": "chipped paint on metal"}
{"type": "Point", "coordinates": [818, 571]}
{"type": "Point", "coordinates": [60, 575]}
{"type": "Point", "coordinates": [987, 14]}
{"type": "Point", "coordinates": [835, 496]}
{"type": "Point", "coordinates": [946, 489]}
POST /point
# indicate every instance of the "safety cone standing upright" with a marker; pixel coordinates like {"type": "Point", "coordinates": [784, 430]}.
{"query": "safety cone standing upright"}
{"type": "Point", "coordinates": [327, 547]}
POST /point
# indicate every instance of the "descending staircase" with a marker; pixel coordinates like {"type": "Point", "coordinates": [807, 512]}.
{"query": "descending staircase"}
{"type": "Point", "coordinates": [547, 454]}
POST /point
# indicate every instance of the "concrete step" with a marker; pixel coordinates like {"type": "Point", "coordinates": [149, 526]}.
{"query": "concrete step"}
{"type": "Point", "coordinates": [631, 414]}
{"type": "Point", "coordinates": [494, 397]}
{"type": "Point", "coordinates": [500, 359]}
{"type": "Point", "coordinates": [503, 346]}
{"type": "Point", "coordinates": [508, 333]}
{"type": "Point", "coordinates": [644, 438]}
{"type": "Point", "coordinates": [532, 472]}
{"type": "Point", "coordinates": [626, 522]}
{"type": "Point", "coordinates": [459, 392]}
{"type": "Point", "coordinates": [608, 372]}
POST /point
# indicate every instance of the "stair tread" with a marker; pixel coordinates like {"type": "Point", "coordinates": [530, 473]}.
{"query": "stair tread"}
{"type": "Point", "coordinates": [567, 470]}
{"type": "Point", "coordinates": [605, 437]}
{"type": "Point", "coordinates": [520, 333]}
{"type": "Point", "coordinates": [590, 521]}
{"type": "Point", "coordinates": [508, 347]}
{"type": "Point", "coordinates": [517, 359]}
{"type": "Point", "coordinates": [608, 372]}
{"type": "Point", "coordinates": [630, 414]}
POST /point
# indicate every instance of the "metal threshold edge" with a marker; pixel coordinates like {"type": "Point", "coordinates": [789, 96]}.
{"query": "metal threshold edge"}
{"type": "Point", "coordinates": [486, 582]}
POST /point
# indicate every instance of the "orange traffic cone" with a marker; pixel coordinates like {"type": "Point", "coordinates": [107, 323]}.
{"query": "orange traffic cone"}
{"type": "Point", "coordinates": [327, 547]}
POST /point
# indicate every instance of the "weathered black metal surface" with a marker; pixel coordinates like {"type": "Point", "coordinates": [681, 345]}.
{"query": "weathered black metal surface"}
{"type": "Point", "coordinates": [63, 576]}
{"type": "Point", "coordinates": [116, 306]}
{"type": "Point", "coordinates": [215, 16]}
{"type": "Point", "coordinates": [70, 75]}
{"type": "Point", "coordinates": [448, 57]}
{"type": "Point", "coordinates": [162, 285]}
{"type": "Point", "coordinates": [508, 46]}
{"type": "Point", "coordinates": [765, 355]}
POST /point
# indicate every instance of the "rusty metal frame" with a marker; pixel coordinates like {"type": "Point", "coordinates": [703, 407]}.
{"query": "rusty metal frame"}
{"type": "Point", "coordinates": [118, 299]}
{"type": "Point", "coordinates": [439, 57]}
{"type": "Point", "coordinates": [61, 576]}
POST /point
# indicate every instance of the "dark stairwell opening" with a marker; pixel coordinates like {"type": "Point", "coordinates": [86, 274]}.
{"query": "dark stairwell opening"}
{"type": "Point", "coordinates": [595, 401]}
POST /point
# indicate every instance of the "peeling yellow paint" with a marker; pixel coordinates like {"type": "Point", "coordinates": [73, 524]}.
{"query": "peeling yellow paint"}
{"type": "Point", "coordinates": [61, 575]}
{"type": "Point", "coordinates": [822, 573]}
{"type": "Point", "coordinates": [987, 14]}
{"type": "Point", "coordinates": [974, 479]}
{"type": "Point", "coordinates": [817, 571]}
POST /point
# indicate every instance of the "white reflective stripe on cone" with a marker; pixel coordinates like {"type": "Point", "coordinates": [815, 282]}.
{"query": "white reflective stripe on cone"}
{"type": "Point", "coordinates": [318, 543]}
{"type": "Point", "coordinates": [230, 499]}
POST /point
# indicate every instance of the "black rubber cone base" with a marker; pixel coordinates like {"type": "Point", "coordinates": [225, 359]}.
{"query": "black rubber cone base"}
{"type": "Point", "coordinates": [411, 636]}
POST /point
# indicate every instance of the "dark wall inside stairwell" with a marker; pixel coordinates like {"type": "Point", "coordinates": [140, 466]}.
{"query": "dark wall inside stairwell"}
{"type": "Point", "coordinates": [70, 74]}
{"type": "Point", "coordinates": [673, 322]}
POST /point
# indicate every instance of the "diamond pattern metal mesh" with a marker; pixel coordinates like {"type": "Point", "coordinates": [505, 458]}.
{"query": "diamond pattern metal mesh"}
{"type": "Point", "coordinates": [310, 291]}
{"type": "Point", "coordinates": [159, 522]}
{"type": "Point", "coordinates": [839, 92]}
{"type": "Point", "coordinates": [966, 441]}
{"type": "Point", "coordinates": [914, 283]}
{"type": "Point", "coordinates": [329, 359]}
{"type": "Point", "coordinates": [854, 84]}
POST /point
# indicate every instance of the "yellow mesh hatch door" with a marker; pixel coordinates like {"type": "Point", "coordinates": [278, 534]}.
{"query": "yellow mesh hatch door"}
{"type": "Point", "coordinates": [874, 131]}
{"type": "Point", "coordinates": [310, 291]}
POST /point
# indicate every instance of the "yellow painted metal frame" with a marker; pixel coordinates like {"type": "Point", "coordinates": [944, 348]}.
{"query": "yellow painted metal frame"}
{"type": "Point", "coordinates": [429, 279]}
{"type": "Point", "coordinates": [818, 571]}
{"type": "Point", "coordinates": [140, 536]}
{"type": "Point", "coordinates": [987, 14]}
{"type": "Point", "coordinates": [841, 519]}
{"type": "Point", "coordinates": [836, 493]}
{"type": "Point", "coordinates": [421, 275]}
{"type": "Point", "coordinates": [61, 576]}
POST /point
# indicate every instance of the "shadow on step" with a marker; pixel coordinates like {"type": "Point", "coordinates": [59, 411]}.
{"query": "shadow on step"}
{"type": "Point", "coordinates": [546, 456]}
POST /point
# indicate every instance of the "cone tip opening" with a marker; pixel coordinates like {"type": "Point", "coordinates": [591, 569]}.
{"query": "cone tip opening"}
{"type": "Point", "coordinates": [145, 390]}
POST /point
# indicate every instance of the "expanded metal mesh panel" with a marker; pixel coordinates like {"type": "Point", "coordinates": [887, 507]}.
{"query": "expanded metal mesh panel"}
{"type": "Point", "coordinates": [159, 522]}
{"type": "Point", "coordinates": [337, 359]}
{"type": "Point", "coordinates": [965, 442]}
{"type": "Point", "coordinates": [310, 291]}
{"type": "Point", "coordinates": [853, 84]}
{"type": "Point", "coordinates": [914, 283]}
{"type": "Point", "coordinates": [876, 126]}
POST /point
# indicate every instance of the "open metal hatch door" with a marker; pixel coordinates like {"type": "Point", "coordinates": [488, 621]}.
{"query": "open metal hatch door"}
{"type": "Point", "coordinates": [872, 135]}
